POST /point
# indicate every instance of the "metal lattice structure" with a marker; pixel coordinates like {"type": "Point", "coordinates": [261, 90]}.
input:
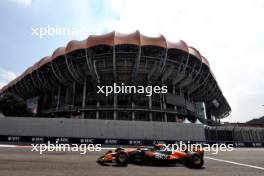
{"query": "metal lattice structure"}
{"type": "Point", "coordinates": [65, 83]}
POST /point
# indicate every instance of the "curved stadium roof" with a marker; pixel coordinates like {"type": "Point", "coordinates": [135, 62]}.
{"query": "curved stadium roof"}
{"type": "Point", "coordinates": [112, 39]}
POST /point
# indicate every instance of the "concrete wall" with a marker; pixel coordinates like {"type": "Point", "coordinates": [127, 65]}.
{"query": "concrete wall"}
{"type": "Point", "coordinates": [90, 128]}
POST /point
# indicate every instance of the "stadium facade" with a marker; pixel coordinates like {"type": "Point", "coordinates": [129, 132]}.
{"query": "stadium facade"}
{"type": "Point", "coordinates": [65, 84]}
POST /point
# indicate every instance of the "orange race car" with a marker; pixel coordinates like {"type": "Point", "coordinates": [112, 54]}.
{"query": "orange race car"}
{"type": "Point", "coordinates": [153, 155]}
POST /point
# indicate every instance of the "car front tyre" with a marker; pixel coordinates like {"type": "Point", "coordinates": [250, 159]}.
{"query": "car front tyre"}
{"type": "Point", "coordinates": [121, 158]}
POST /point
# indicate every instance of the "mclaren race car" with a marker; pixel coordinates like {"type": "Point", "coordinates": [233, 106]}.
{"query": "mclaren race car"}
{"type": "Point", "coordinates": [153, 155]}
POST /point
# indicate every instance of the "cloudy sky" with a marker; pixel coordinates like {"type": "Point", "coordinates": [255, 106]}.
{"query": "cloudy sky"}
{"type": "Point", "coordinates": [229, 33]}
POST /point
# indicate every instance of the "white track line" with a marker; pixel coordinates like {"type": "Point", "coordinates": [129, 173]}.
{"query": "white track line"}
{"type": "Point", "coordinates": [236, 163]}
{"type": "Point", "coordinates": [108, 148]}
{"type": "Point", "coordinates": [8, 146]}
{"type": "Point", "coordinates": [15, 146]}
{"type": "Point", "coordinates": [248, 149]}
{"type": "Point", "coordinates": [29, 146]}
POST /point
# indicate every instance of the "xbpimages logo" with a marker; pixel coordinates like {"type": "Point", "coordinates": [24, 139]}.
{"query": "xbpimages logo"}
{"type": "Point", "coordinates": [57, 147]}
{"type": "Point", "coordinates": [129, 89]}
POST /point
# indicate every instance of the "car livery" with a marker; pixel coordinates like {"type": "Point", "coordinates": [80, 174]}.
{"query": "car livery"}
{"type": "Point", "coordinates": [153, 155]}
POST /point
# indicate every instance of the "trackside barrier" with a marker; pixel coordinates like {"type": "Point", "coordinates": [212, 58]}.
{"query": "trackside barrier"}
{"type": "Point", "coordinates": [103, 141]}
{"type": "Point", "coordinates": [121, 132]}
{"type": "Point", "coordinates": [101, 129]}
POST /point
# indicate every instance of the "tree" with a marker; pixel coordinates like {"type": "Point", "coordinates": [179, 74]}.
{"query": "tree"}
{"type": "Point", "coordinates": [12, 106]}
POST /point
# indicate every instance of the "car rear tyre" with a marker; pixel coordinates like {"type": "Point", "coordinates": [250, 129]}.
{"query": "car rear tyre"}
{"type": "Point", "coordinates": [197, 161]}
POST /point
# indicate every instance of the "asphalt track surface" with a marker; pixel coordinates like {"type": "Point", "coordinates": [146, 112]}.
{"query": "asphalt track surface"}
{"type": "Point", "coordinates": [22, 161]}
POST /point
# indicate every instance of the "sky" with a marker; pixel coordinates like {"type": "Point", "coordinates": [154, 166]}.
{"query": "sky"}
{"type": "Point", "coordinates": [229, 33]}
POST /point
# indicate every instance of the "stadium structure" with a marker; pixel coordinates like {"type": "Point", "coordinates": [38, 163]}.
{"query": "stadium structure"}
{"type": "Point", "coordinates": [65, 83]}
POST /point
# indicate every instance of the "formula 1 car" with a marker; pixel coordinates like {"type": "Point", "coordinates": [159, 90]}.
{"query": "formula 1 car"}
{"type": "Point", "coordinates": [153, 155]}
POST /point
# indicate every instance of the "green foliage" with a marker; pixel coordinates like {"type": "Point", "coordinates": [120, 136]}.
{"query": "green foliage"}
{"type": "Point", "coordinates": [11, 106]}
